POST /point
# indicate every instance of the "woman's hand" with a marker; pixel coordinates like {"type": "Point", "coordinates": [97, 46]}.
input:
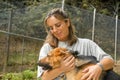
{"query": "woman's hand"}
{"type": "Point", "coordinates": [67, 64]}
{"type": "Point", "coordinates": [92, 73]}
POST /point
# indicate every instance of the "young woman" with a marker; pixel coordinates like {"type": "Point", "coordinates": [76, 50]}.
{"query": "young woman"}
{"type": "Point", "coordinates": [61, 33]}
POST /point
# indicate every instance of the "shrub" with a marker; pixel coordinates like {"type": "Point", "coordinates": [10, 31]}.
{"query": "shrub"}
{"type": "Point", "coordinates": [28, 74]}
{"type": "Point", "coordinates": [12, 76]}
{"type": "Point", "coordinates": [25, 75]}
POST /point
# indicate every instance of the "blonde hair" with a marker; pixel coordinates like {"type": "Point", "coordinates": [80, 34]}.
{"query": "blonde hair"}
{"type": "Point", "coordinates": [61, 15]}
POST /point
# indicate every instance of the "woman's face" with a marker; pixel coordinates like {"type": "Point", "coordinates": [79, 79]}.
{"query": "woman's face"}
{"type": "Point", "coordinates": [59, 28]}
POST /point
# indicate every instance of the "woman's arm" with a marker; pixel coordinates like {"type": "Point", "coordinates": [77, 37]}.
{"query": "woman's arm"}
{"type": "Point", "coordinates": [106, 63]}
{"type": "Point", "coordinates": [67, 64]}
{"type": "Point", "coordinates": [50, 75]}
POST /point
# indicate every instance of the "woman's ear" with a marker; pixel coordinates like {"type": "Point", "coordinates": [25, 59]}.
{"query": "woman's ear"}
{"type": "Point", "coordinates": [67, 21]}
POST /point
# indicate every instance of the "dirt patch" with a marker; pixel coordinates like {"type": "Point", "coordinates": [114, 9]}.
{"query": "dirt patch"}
{"type": "Point", "coordinates": [117, 69]}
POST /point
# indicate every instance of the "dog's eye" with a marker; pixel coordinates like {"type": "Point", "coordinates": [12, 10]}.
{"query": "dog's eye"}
{"type": "Point", "coordinates": [61, 54]}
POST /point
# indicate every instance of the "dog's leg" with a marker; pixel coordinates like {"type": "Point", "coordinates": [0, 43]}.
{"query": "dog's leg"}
{"type": "Point", "coordinates": [70, 75]}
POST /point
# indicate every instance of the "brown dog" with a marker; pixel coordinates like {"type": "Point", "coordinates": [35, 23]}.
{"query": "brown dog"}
{"type": "Point", "coordinates": [52, 61]}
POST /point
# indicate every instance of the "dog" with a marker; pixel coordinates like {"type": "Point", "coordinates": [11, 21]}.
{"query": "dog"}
{"type": "Point", "coordinates": [54, 57]}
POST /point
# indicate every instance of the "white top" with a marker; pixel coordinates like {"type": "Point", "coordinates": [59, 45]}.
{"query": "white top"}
{"type": "Point", "coordinates": [83, 46]}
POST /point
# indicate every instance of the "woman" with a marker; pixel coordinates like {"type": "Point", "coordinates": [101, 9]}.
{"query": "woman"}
{"type": "Point", "coordinates": [61, 33]}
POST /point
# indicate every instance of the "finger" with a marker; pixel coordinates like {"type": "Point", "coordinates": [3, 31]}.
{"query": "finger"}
{"type": "Point", "coordinates": [96, 77]}
{"type": "Point", "coordinates": [68, 58]}
{"type": "Point", "coordinates": [90, 77]}
{"type": "Point", "coordinates": [85, 76]}
{"type": "Point", "coordinates": [85, 70]}
{"type": "Point", "coordinates": [64, 58]}
{"type": "Point", "coordinates": [72, 64]}
{"type": "Point", "coordinates": [71, 61]}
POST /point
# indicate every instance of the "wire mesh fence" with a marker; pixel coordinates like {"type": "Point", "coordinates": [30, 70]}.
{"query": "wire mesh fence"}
{"type": "Point", "coordinates": [22, 33]}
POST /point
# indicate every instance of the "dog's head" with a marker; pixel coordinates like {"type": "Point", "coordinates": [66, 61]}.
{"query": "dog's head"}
{"type": "Point", "coordinates": [54, 57]}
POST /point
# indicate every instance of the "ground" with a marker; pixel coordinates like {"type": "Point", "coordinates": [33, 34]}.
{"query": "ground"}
{"type": "Point", "coordinates": [117, 67]}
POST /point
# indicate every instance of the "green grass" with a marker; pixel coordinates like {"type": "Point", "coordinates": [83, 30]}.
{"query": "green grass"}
{"type": "Point", "coordinates": [27, 58]}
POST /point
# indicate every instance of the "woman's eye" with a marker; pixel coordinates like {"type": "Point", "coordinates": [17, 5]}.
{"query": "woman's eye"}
{"type": "Point", "coordinates": [55, 26]}
{"type": "Point", "coordinates": [58, 25]}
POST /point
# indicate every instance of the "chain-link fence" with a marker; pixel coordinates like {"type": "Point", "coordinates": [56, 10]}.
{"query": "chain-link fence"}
{"type": "Point", "coordinates": [22, 33]}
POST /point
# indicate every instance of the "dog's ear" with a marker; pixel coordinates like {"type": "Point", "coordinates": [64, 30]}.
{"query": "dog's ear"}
{"type": "Point", "coordinates": [74, 53]}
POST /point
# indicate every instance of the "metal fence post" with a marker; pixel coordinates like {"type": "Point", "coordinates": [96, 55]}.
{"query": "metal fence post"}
{"type": "Point", "coordinates": [115, 55]}
{"type": "Point", "coordinates": [8, 43]}
{"type": "Point", "coordinates": [93, 25]}
{"type": "Point", "coordinates": [22, 56]}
